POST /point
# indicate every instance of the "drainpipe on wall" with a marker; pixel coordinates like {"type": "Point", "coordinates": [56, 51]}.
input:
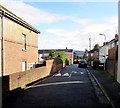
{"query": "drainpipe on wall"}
{"type": "Point", "coordinates": [2, 45]}
{"type": "Point", "coordinates": [118, 72]}
{"type": "Point", "coordinates": [2, 60]}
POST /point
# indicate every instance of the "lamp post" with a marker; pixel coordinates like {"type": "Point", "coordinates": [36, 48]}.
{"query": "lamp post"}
{"type": "Point", "coordinates": [90, 50]}
{"type": "Point", "coordinates": [104, 49]}
{"type": "Point", "coordinates": [104, 36]}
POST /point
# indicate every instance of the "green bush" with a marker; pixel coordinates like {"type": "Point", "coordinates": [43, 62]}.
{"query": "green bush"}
{"type": "Point", "coordinates": [58, 60]}
{"type": "Point", "coordinates": [48, 58]}
{"type": "Point", "coordinates": [59, 57]}
{"type": "Point", "coordinates": [90, 59]}
{"type": "Point", "coordinates": [96, 64]}
{"type": "Point", "coordinates": [62, 56]}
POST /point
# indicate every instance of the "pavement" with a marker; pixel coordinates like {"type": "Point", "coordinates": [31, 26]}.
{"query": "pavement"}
{"type": "Point", "coordinates": [71, 87]}
{"type": "Point", "coordinates": [109, 86]}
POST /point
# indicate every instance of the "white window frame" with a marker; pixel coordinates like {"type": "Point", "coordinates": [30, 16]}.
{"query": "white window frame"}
{"type": "Point", "coordinates": [23, 66]}
{"type": "Point", "coordinates": [31, 65]}
{"type": "Point", "coordinates": [23, 42]}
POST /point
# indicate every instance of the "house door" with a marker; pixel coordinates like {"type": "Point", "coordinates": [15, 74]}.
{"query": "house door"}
{"type": "Point", "coordinates": [23, 66]}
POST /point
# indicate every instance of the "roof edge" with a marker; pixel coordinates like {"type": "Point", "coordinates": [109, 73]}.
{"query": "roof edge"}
{"type": "Point", "coordinates": [5, 12]}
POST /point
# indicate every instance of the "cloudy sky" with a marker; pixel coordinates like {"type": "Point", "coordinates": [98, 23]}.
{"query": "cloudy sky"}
{"type": "Point", "coordinates": [68, 24]}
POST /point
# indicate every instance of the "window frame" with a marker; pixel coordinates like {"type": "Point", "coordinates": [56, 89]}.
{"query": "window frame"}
{"type": "Point", "coordinates": [23, 42]}
{"type": "Point", "coordinates": [25, 66]}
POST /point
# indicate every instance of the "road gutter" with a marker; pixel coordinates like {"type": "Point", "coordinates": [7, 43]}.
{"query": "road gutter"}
{"type": "Point", "coordinates": [91, 75]}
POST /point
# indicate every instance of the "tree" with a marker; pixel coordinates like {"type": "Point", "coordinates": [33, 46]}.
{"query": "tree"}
{"type": "Point", "coordinates": [59, 56]}
{"type": "Point", "coordinates": [86, 50]}
{"type": "Point", "coordinates": [96, 47]}
{"type": "Point", "coordinates": [53, 54]}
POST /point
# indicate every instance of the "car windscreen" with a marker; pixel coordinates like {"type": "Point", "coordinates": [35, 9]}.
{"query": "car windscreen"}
{"type": "Point", "coordinates": [82, 61]}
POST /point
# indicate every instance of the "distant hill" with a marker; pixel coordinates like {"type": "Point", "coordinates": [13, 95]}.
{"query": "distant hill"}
{"type": "Point", "coordinates": [79, 52]}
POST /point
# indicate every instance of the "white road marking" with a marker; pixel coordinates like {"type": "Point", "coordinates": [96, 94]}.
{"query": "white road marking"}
{"type": "Point", "coordinates": [81, 72]}
{"type": "Point", "coordinates": [74, 72]}
{"type": "Point", "coordinates": [59, 74]}
{"type": "Point", "coordinates": [66, 74]}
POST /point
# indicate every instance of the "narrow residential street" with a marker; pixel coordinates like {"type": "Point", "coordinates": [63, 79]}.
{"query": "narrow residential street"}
{"type": "Point", "coordinates": [70, 87]}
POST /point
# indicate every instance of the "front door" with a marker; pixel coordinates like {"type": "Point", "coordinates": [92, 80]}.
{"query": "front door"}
{"type": "Point", "coordinates": [23, 66]}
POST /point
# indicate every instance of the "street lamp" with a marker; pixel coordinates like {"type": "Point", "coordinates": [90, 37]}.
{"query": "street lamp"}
{"type": "Point", "coordinates": [104, 36]}
{"type": "Point", "coordinates": [105, 48]}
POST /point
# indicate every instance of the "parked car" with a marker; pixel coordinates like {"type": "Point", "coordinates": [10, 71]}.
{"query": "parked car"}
{"type": "Point", "coordinates": [101, 66]}
{"type": "Point", "coordinates": [75, 61]}
{"type": "Point", "coordinates": [82, 63]}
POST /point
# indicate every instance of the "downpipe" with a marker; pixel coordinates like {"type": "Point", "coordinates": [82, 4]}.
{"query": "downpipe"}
{"type": "Point", "coordinates": [2, 43]}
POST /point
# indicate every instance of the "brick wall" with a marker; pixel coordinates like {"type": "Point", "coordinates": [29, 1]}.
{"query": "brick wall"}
{"type": "Point", "coordinates": [14, 56]}
{"type": "Point", "coordinates": [112, 67]}
{"type": "Point", "coordinates": [21, 79]}
{"type": "Point", "coordinates": [113, 53]}
{"type": "Point", "coordinates": [112, 61]}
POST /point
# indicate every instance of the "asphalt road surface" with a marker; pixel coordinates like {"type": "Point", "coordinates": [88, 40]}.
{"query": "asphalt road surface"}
{"type": "Point", "coordinates": [71, 87]}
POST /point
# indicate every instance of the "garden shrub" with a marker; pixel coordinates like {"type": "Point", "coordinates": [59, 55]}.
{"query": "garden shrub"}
{"type": "Point", "coordinates": [59, 57]}
{"type": "Point", "coordinates": [96, 64]}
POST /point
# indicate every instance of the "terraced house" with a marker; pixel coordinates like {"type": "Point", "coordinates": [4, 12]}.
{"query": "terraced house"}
{"type": "Point", "coordinates": [18, 43]}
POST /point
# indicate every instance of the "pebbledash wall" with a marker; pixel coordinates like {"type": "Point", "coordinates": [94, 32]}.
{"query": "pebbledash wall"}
{"type": "Point", "coordinates": [13, 28]}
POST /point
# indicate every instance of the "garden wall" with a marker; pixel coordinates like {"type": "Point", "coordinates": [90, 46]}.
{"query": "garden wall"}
{"type": "Point", "coordinates": [21, 79]}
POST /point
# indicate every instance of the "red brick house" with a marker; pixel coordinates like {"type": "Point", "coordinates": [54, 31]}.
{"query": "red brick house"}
{"type": "Point", "coordinates": [18, 42]}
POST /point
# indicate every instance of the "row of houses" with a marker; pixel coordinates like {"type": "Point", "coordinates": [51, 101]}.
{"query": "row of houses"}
{"type": "Point", "coordinates": [106, 54]}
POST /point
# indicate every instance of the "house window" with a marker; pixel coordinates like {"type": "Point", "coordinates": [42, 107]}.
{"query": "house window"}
{"type": "Point", "coordinates": [23, 42]}
{"type": "Point", "coordinates": [23, 65]}
{"type": "Point", "coordinates": [113, 45]}
{"type": "Point", "coordinates": [31, 66]}
{"type": "Point", "coordinates": [92, 54]}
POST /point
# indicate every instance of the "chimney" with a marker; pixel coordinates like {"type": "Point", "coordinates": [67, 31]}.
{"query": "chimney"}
{"type": "Point", "coordinates": [116, 36]}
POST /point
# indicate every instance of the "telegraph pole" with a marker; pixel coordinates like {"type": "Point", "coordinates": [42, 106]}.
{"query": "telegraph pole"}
{"type": "Point", "coordinates": [89, 43]}
{"type": "Point", "coordinates": [90, 49]}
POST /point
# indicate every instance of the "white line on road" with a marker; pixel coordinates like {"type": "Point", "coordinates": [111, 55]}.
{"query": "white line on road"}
{"type": "Point", "coordinates": [81, 72]}
{"type": "Point", "coordinates": [59, 74]}
{"type": "Point", "coordinates": [72, 73]}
